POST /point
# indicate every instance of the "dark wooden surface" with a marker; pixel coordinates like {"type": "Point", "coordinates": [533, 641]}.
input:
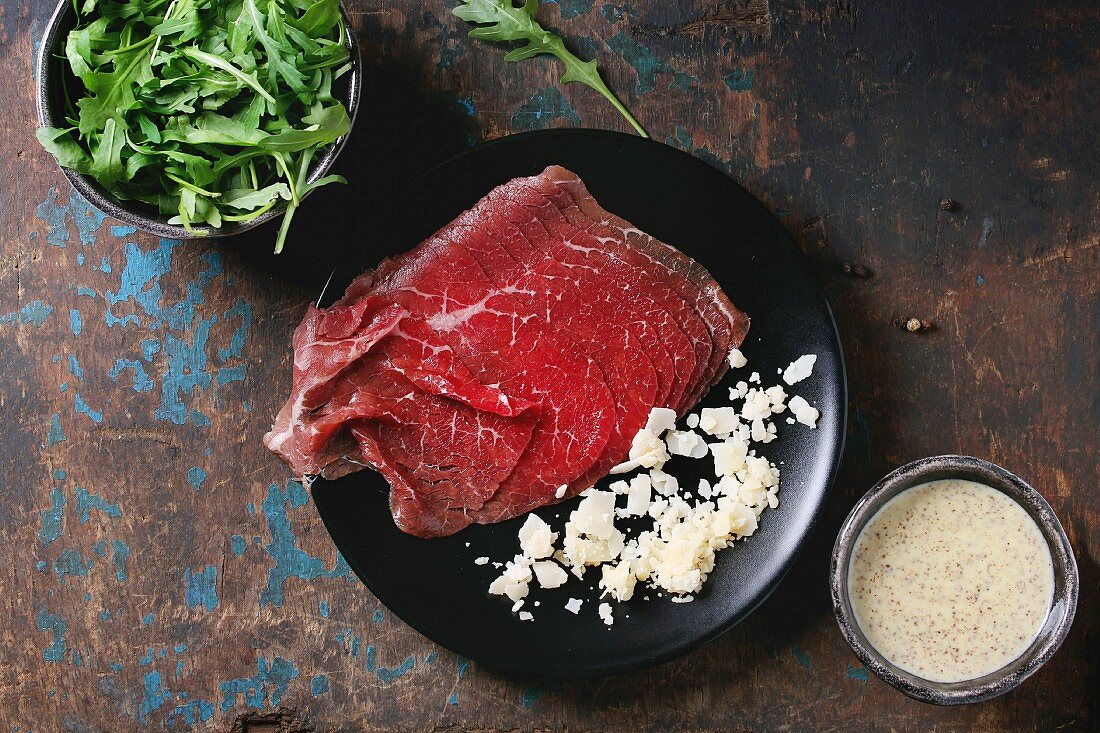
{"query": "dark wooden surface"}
{"type": "Point", "coordinates": [161, 573]}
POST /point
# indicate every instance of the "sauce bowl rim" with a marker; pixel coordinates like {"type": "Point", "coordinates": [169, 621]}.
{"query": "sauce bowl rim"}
{"type": "Point", "coordinates": [1059, 617]}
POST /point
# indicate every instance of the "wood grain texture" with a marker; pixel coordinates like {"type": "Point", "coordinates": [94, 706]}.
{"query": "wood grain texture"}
{"type": "Point", "coordinates": [163, 574]}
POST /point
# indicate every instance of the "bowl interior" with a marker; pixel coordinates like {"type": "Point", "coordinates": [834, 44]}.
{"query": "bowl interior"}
{"type": "Point", "coordinates": [56, 85]}
{"type": "Point", "coordinates": [1063, 604]}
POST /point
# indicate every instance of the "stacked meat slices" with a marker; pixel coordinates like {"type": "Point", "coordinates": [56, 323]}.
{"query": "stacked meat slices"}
{"type": "Point", "coordinates": [506, 362]}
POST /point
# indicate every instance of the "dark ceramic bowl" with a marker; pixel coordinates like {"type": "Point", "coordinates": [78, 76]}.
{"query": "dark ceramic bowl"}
{"type": "Point", "coordinates": [1066, 581]}
{"type": "Point", "coordinates": [53, 75]}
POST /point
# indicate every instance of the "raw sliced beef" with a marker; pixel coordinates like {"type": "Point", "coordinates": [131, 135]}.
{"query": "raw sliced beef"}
{"type": "Point", "coordinates": [507, 361]}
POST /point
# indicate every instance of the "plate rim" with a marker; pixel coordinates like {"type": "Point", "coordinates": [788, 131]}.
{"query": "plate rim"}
{"type": "Point", "coordinates": [835, 457]}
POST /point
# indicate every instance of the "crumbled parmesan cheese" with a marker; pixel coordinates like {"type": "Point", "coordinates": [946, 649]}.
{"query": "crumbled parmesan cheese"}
{"type": "Point", "coordinates": [561, 491]}
{"type": "Point", "coordinates": [803, 412]}
{"type": "Point", "coordinates": [481, 561]}
{"type": "Point", "coordinates": [536, 539]}
{"type": "Point", "coordinates": [686, 443]}
{"type": "Point", "coordinates": [799, 369]}
{"type": "Point", "coordinates": [573, 605]}
{"type": "Point", "coordinates": [549, 574]}
{"type": "Point", "coordinates": [605, 614]}
{"type": "Point", "coordinates": [660, 420]}
{"type": "Point", "coordinates": [692, 420]}
{"type": "Point", "coordinates": [737, 359]}
{"type": "Point", "coordinates": [718, 420]}
{"type": "Point", "coordinates": [526, 616]}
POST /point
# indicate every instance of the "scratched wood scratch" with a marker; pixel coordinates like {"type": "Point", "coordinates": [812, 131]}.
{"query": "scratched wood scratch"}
{"type": "Point", "coordinates": [164, 574]}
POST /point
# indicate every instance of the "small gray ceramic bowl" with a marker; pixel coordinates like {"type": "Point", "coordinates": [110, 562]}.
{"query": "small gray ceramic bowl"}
{"type": "Point", "coordinates": [53, 74]}
{"type": "Point", "coordinates": [1066, 581]}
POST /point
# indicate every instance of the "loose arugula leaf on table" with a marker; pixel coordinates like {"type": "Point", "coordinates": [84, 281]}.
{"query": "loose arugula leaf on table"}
{"type": "Point", "coordinates": [211, 111]}
{"type": "Point", "coordinates": [501, 21]}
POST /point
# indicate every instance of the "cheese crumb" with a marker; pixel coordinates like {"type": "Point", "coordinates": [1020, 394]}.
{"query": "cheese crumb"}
{"type": "Point", "coordinates": [536, 539]}
{"type": "Point", "coordinates": [692, 420]}
{"type": "Point", "coordinates": [737, 359]}
{"type": "Point", "coordinates": [549, 574]}
{"type": "Point", "coordinates": [561, 491]}
{"type": "Point", "coordinates": [686, 443]}
{"type": "Point", "coordinates": [718, 420]}
{"type": "Point", "coordinates": [804, 412]}
{"type": "Point", "coordinates": [605, 614]}
{"type": "Point", "coordinates": [573, 605]}
{"type": "Point", "coordinates": [660, 419]}
{"type": "Point", "coordinates": [526, 616]}
{"type": "Point", "coordinates": [799, 369]}
{"type": "Point", "coordinates": [481, 561]}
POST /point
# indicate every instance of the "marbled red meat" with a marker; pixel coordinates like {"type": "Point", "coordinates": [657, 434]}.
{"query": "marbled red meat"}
{"type": "Point", "coordinates": [514, 352]}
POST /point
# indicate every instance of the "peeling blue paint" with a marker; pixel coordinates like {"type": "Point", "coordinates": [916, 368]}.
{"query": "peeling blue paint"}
{"type": "Point", "coordinates": [196, 476]}
{"type": "Point", "coordinates": [228, 375]}
{"type": "Point", "coordinates": [201, 588]}
{"type": "Point", "coordinates": [76, 323]}
{"type": "Point", "coordinates": [34, 314]}
{"type": "Point", "coordinates": [46, 621]}
{"type": "Point", "coordinates": [542, 109]}
{"type": "Point", "coordinates": [739, 80]}
{"type": "Point", "coordinates": [86, 292]}
{"type": "Point", "coordinates": [318, 685]}
{"type": "Point", "coordinates": [355, 643]}
{"type": "Point", "coordinates": [430, 657]}
{"type": "Point", "coordinates": [121, 231]}
{"type": "Point", "coordinates": [372, 660]}
{"type": "Point", "coordinates": [60, 474]}
{"type": "Point", "coordinates": [82, 407]}
{"type": "Point", "coordinates": [80, 259]}
{"type": "Point", "coordinates": [148, 620]}
{"type": "Point", "coordinates": [77, 659]}
{"type": "Point", "coordinates": [87, 501]}
{"type": "Point", "coordinates": [51, 518]}
{"type": "Point", "coordinates": [75, 368]}
{"type": "Point", "coordinates": [115, 666]}
{"type": "Point", "coordinates": [142, 382]}
{"type": "Point", "coordinates": [266, 687]}
{"type": "Point", "coordinates": [149, 348]}
{"type": "Point", "coordinates": [322, 608]}
{"type": "Point", "coordinates": [390, 675]}
{"type": "Point", "coordinates": [147, 658]}
{"type": "Point", "coordinates": [100, 548]}
{"type": "Point", "coordinates": [572, 8]}
{"type": "Point", "coordinates": [856, 673]}
{"type": "Point", "coordinates": [104, 265]}
{"type": "Point", "coordinates": [118, 560]}
{"type": "Point", "coordinates": [239, 337]}
{"type": "Point", "coordinates": [648, 66]}
{"type": "Point", "coordinates": [238, 544]}
{"type": "Point", "coordinates": [71, 562]}
{"type": "Point", "coordinates": [467, 105]}
{"type": "Point", "coordinates": [56, 434]}
{"type": "Point", "coordinates": [290, 560]}
{"type": "Point", "coordinates": [153, 696]}
{"type": "Point", "coordinates": [379, 616]}
{"type": "Point", "coordinates": [192, 713]}
{"type": "Point", "coordinates": [86, 217]}
{"type": "Point", "coordinates": [981, 280]}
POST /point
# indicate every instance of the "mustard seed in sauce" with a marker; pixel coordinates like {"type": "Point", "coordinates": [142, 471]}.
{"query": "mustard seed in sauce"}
{"type": "Point", "coordinates": [951, 580]}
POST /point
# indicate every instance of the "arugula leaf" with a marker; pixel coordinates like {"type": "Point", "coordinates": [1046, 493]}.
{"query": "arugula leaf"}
{"type": "Point", "coordinates": [319, 18]}
{"type": "Point", "coordinates": [107, 166]}
{"type": "Point", "coordinates": [500, 21]}
{"type": "Point", "coordinates": [65, 148]}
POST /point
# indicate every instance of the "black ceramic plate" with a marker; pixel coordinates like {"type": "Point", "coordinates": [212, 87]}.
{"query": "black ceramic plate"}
{"type": "Point", "coordinates": [435, 586]}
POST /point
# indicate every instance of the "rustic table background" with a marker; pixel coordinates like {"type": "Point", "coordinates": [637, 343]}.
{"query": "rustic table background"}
{"type": "Point", "coordinates": [161, 571]}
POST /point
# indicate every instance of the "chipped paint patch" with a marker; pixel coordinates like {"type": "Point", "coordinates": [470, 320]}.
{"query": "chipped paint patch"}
{"type": "Point", "coordinates": [802, 657]}
{"type": "Point", "coordinates": [71, 563]}
{"type": "Point", "coordinates": [76, 323]}
{"type": "Point", "coordinates": [56, 216]}
{"type": "Point", "coordinates": [318, 685]}
{"type": "Point", "coordinates": [290, 560]}
{"type": "Point", "coordinates": [238, 545]}
{"type": "Point", "coordinates": [34, 314]}
{"type": "Point", "coordinates": [389, 675]}
{"type": "Point", "coordinates": [83, 408]}
{"type": "Point", "coordinates": [196, 476]}
{"type": "Point", "coordinates": [856, 673]}
{"type": "Point", "coordinates": [121, 553]}
{"type": "Point", "coordinates": [153, 695]}
{"type": "Point", "coordinates": [191, 713]}
{"type": "Point", "coordinates": [266, 687]}
{"type": "Point", "coordinates": [530, 696]}
{"type": "Point", "coordinates": [201, 589]}
{"type": "Point", "coordinates": [86, 501]}
{"type": "Point", "coordinates": [323, 609]}
{"type": "Point", "coordinates": [647, 66]}
{"type": "Point", "coordinates": [56, 434]}
{"type": "Point", "coordinates": [50, 529]}
{"type": "Point", "coordinates": [572, 8]}
{"type": "Point", "coordinates": [739, 80]}
{"type": "Point", "coordinates": [542, 109]}
{"type": "Point", "coordinates": [56, 626]}
{"type": "Point", "coordinates": [142, 382]}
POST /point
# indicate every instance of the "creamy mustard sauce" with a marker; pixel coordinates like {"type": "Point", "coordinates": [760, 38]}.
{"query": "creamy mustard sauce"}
{"type": "Point", "coordinates": [951, 580]}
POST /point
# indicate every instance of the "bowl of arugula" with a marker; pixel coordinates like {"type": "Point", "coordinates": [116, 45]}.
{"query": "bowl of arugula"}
{"type": "Point", "coordinates": [197, 118]}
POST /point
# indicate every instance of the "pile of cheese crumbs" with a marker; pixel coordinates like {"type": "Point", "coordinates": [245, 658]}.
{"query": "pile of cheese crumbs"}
{"type": "Point", "coordinates": [689, 527]}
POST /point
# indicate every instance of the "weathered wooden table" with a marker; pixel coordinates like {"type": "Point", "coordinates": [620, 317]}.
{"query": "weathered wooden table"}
{"type": "Point", "coordinates": [163, 573]}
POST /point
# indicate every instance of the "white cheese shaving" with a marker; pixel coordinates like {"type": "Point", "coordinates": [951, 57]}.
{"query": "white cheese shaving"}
{"type": "Point", "coordinates": [549, 574]}
{"type": "Point", "coordinates": [481, 561]}
{"type": "Point", "coordinates": [561, 491]}
{"type": "Point", "coordinates": [526, 616]}
{"type": "Point", "coordinates": [686, 443]}
{"type": "Point", "coordinates": [692, 420]}
{"type": "Point", "coordinates": [804, 412]}
{"type": "Point", "coordinates": [660, 419]}
{"type": "Point", "coordinates": [573, 605]}
{"type": "Point", "coordinates": [605, 614]}
{"type": "Point", "coordinates": [799, 369]}
{"type": "Point", "coordinates": [718, 420]}
{"type": "Point", "coordinates": [737, 359]}
{"type": "Point", "coordinates": [536, 539]}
